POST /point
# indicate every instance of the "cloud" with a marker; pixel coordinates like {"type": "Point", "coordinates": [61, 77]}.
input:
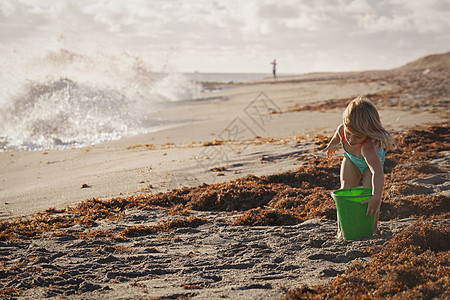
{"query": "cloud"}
{"type": "Point", "coordinates": [358, 7]}
{"type": "Point", "coordinates": [335, 32]}
{"type": "Point", "coordinates": [278, 11]}
{"type": "Point", "coordinates": [402, 16]}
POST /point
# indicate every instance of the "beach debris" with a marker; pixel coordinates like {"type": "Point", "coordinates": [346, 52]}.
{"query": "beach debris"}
{"type": "Point", "coordinates": [192, 287]}
{"type": "Point", "coordinates": [406, 91]}
{"type": "Point", "coordinates": [415, 263]}
{"type": "Point", "coordinates": [218, 169]}
{"type": "Point", "coordinates": [215, 142]}
{"type": "Point", "coordinates": [148, 146]}
{"type": "Point", "coordinates": [146, 189]}
{"type": "Point", "coordinates": [85, 186]}
{"type": "Point", "coordinates": [54, 210]}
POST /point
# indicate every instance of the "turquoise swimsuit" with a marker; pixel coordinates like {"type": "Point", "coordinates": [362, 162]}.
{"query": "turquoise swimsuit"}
{"type": "Point", "coordinates": [361, 162]}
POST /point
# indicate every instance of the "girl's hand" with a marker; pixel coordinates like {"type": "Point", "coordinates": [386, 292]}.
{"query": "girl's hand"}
{"type": "Point", "coordinates": [373, 205]}
{"type": "Point", "coordinates": [331, 149]}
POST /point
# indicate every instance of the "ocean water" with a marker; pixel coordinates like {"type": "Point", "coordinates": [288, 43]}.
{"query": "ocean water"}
{"type": "Point", "coordinates": [63, 99]}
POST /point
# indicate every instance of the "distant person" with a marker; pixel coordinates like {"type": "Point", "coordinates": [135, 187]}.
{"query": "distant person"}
{"type": "Point", "coordinates": [274, 70]}
{"type": "Point", "coordinates": [364, 139]}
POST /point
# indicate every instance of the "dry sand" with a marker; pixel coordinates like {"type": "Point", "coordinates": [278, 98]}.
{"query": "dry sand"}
{"type": "Point", "coordinates": [248, 129]}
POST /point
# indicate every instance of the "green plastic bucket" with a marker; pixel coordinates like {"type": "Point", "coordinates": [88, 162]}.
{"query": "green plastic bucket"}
{"type": "Point", "coordinates": [352, 214]}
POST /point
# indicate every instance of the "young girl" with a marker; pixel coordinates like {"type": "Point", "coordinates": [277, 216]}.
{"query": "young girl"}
{"type": "Point", "coordinates": [364, 139]}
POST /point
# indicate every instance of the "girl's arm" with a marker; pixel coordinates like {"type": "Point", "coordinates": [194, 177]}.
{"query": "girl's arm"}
{"type": "Point", "coordinates": [376, 167]}
{"type": "Point", "coordinates": [333, 145]}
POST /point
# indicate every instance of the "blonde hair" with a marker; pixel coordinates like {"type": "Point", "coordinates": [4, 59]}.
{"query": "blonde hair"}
{"type": "Point", "coordinates": [361, 118]}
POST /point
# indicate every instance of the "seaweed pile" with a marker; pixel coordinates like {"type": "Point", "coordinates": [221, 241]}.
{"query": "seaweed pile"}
{"type": "Point", "coordinates": [291, 198]}
{"type": "Point", "coordinates": [411, 89]}
{"type": "Point", "coordinates": [267, 200]}
{"type": "Point", "coordinates": [414, 264]}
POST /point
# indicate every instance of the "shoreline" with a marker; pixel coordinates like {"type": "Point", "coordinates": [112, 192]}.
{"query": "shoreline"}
{"type": "Point", "coordinates": [35, 180]}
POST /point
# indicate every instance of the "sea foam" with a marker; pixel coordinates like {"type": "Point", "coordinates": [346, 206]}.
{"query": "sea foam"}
{"type": "Point", "coordinates": [65, 99]}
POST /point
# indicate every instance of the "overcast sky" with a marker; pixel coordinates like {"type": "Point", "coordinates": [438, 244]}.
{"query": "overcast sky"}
{"type": "Point", "coordinates": [234, 35]}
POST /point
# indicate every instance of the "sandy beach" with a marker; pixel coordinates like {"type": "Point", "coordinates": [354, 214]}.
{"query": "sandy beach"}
{"type": "Point", "coordinates": [209, 207]}
{"type": "Point", "coordinates": [249, 121]}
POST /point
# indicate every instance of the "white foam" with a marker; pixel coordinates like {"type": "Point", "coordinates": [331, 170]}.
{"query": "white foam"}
{"type": "Point", "coordinates": [65, 99]}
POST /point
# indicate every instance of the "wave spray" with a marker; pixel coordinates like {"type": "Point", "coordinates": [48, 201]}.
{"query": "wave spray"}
{"type": "Point", "coordinates": [64, 99]}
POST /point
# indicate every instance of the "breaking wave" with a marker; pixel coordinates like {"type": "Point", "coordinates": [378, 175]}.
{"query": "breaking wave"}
{"type": "Point", "coordinates": [64, 100]}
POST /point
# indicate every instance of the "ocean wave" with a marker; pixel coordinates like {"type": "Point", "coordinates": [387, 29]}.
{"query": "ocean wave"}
{"type": "Point", "coordinates": [76, 101]}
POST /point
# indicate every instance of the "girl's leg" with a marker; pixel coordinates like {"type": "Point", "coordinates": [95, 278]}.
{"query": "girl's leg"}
{"type": "Point", "coordinates": [367, 182]}
{"type": "Point", "coordinates": [350, 176]}
{"type": "Point", "coordinates": [375, 226]}
{"type": "Point", "coordinates": [367, 178]}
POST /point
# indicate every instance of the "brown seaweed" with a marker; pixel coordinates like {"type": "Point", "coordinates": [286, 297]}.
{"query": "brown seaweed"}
{"type": "Point", "coordinates": [290, 198]}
